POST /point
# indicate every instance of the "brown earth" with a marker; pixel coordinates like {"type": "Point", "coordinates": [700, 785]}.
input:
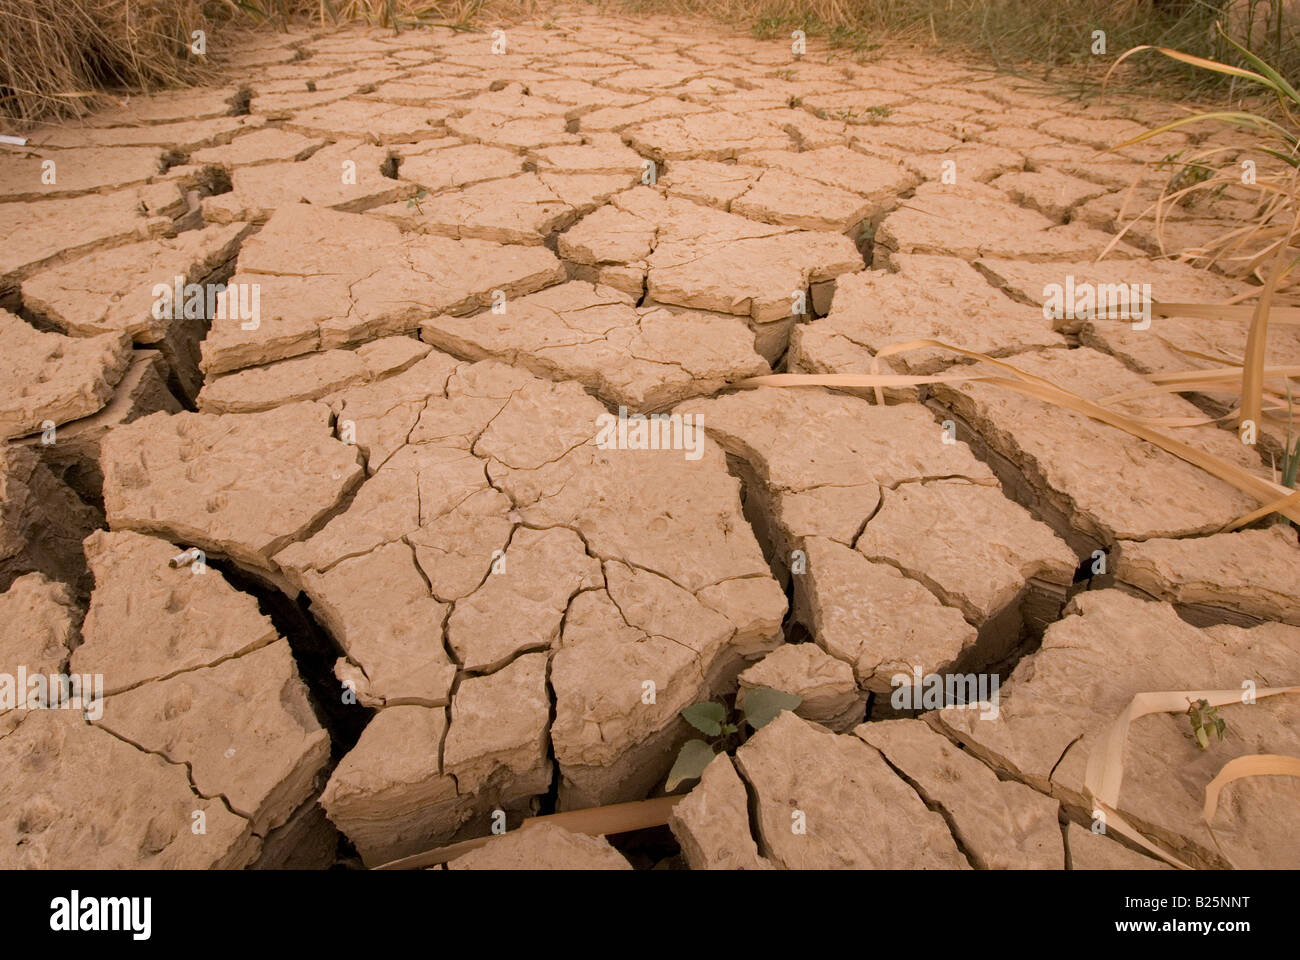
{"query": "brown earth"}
{"type": "Point", "coordinates": [362, 573]}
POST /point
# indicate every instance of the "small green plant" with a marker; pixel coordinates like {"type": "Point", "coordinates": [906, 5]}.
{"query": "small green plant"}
{"type": "Point", "coordinates": [1291, 451]}
{"type": "Point", "coordinates": [852, 38]}
{"type": "Point", "coordinates": [786, 75]}
{"type": "Point", "coordinates": [415, 201]}
{"type": "Point", "coordinates": [866, 115]}
{"type": "Point", "coordinates": [725, 728]}
{"type": "Point", "coordinates": [1186, 174]}
{"type": "Point", "coordinates": [1205, 718]}
{"type": "Point", "coordinates": [794, 102]}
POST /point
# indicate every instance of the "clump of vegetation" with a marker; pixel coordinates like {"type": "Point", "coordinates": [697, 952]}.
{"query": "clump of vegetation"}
{"type": "Point", "coordinates": [851, 38]}
{"type": "Point", "coordinates": [1261, 159]}
{"type": "Point", "coordinates": [725, 729]}
{"type": "Point", "coordinates": [57, 58]}
{"type": "Point", "coordinates": [775, 28]}
{"type": "Point", "coordinates": [871, 115]}
{"type": "Point", "coordinates": [1186, 175]}
{"type": "Point", "coordinates": [1205, 718]}
{"type": "Point", "coordinates": [1045, 37]}
{"type": "Point", "coordinates": [64, 58]}
{"type": "Point", "coordinates": [415, 201]}
{"type": "Point", "coordinates": [392, 14]}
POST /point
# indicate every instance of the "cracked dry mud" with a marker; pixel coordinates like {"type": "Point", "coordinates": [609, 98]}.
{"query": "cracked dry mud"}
{"type": "Point", "coordinates": [363, 576]}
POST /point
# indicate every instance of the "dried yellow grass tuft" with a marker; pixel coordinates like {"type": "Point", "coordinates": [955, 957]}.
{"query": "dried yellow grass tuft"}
{"type": "Point", "coordinates": [1264, 159]}
{"type": "Point", "coordinates": [57, 58]}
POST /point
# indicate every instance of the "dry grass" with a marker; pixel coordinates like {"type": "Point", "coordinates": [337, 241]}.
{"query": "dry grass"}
{"type": "Point", "coordinates": [57, 58]}
{"type": "Point", "coordinates": [1052, 38]}
{"type": "Point", "coordinates": [1262, 158]}
{"type": "Point", "coordinates": [391, 14]}
{"type": "Point", "coordinates": [1260, 161]}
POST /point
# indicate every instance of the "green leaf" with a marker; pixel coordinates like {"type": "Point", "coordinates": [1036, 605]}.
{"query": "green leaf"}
{"type": "Point", "coordinates": [1202, 738]}
{"type": "Point", "coordinates": [693, 757]}
{"type": "Point", "coordinates": [1281, 156]}
{"type": "Point", "coordinates": [1239, 118]}
{"type": "Point", "coordinates": [1276, 82]}
{"type": "Point", "coordinates": [762, 704]}
{"type": "Point", "coordinates": [706, 717]}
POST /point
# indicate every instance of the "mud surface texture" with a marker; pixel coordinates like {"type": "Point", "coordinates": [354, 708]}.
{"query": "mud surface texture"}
{"type": "Point", "coordinates": [324, 462]}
